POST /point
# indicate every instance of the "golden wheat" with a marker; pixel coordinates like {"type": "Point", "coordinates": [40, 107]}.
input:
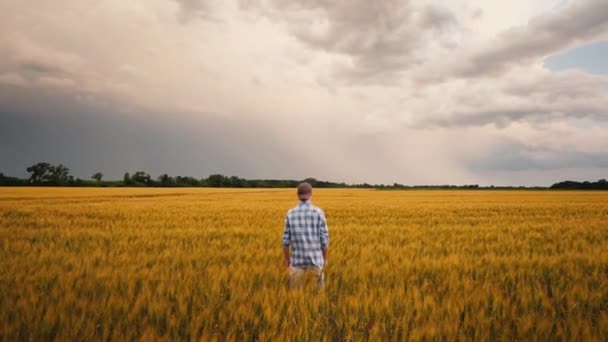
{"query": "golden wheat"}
{"type": "Point", "coordinates": [206, 264]}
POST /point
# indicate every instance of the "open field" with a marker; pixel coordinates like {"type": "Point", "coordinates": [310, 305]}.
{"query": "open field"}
{"type": "Point", "coordinates": [193, 264]}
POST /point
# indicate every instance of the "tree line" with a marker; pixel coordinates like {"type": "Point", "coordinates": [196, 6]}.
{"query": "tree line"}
{"type": "Point", "coordinates": [46, 174]}
{"type": "Point", "coordinates": [601, 184]}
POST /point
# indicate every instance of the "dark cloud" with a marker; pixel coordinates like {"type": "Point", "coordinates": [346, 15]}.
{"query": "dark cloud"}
{"type": "Point", "coordinates": [59, 129]}
{"type": "Point", "coordinates": [437, 17]}
{"type": "Point", "coordinates": [570, 85]}
{"type": "Point", "coordinates": [38, 68]}
{"type": "Point", "coordinates": [535, 98]}
{"type": "Point", "coordinates": [190, 9]}
{"type": "Point", "coordinates": [514, 156]}
{"type": "Point", "coordinates": [502, 118]}
{"type": "Point", "coordinates": [383, 38]}
{"type": "Point", "coordinates": [549, 33]}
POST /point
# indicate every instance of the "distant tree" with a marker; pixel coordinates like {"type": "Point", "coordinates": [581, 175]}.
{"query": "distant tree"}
{"type": "Point", "coordinates": [186, 181]}
{"type": "Point", "coordinates": [237, 182]}
{"type": "Point", "coordinates": [45, 173]}
{"type": "Point", "coordinates": [311, 181]}
{"type": "Point", "coordinates": [60, 175]}
{"type": "Point", "coordinates": [217, 180]}
{"type": "Point", "coordinates": [97, 176]}
{"type": "Point", "coordinates": [601, 184]}
{"type": "Point", "coordinates": [127, 179]}
{"type": "Point", "coordinates": [6, 180]}
{"type": "Point", "coordinates": [166, 180]}
{"type": "Point", "coordinates": [39, 172]}
{"type": "Point", "coordinates": [141, 177]}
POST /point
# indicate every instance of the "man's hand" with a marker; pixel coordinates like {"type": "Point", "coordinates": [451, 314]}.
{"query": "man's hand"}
{"type": "Point", "coordinates": [287, 257]}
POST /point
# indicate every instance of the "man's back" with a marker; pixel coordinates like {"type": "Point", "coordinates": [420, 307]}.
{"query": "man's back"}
{"type": "Point", "coordinates": [306, 231]}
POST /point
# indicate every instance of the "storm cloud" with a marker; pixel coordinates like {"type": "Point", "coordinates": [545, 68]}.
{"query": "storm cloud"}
{"type": "Point", "coordinates": [375, 40]}
{"type": "Point", "coordinates": [578, 22]}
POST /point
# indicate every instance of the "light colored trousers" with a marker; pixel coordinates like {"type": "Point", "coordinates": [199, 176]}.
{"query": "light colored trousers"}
{"type": "Point", "coordinates": [296, 275]}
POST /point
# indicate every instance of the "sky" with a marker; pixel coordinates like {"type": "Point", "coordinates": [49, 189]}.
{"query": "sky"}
{"type": "Point", "coordinates": [592, 58]}
{"type": "Point", "coordinates": [407, 91]}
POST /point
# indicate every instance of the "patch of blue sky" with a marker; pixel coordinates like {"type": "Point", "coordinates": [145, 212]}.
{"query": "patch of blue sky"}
{"type": "Point", "coordinates": [591, 58]}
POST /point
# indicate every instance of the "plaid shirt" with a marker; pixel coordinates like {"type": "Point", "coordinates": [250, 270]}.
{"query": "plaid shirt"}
{"type": "Point", "coordinates": [306, 232]}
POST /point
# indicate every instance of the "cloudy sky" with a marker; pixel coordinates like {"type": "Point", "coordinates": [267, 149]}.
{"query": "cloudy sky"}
{"type": "Point", "coordinates": [416, 92]}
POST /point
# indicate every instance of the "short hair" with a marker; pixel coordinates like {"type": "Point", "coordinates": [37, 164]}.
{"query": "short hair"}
{"type": "Point", "coordinates": [304, 189]}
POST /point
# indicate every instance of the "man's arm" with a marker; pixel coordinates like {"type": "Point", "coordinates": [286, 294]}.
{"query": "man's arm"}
{"type": "Point", "coordinates": [287, 256]}
{"type": "Point", "coordinates": [324, 235]}
{"type": "Point", "coordinates": [286, 242]}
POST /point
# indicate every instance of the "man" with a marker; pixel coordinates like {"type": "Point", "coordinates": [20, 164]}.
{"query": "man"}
{"type": "Point", "coordinates": [306, 232]}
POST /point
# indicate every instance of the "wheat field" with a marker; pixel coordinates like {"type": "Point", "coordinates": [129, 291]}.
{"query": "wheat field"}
{"type": "Point", "coordinates": [206, 264]}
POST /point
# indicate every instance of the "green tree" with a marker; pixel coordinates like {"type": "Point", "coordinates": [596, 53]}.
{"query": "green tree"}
{"type": "Point", "coordinates": [311, 181]}
{"type": "Point", "coordinates": [186, 181]}
{"type": "Point", "coordinates": [141, 177]}
{"type": "Point", "coordinates": [166, 180]}
{"type": "Point", "coordinates": [59, 175]}
{"type": "Point", "coordinates": [97, 176]}
{"type": "Point", "coordinates": [236, 182]}
{"type": "Point", "coordinates": [45, 173]}
{"type": "Point", "coordinates": [39, 172]}
{"type": "Point", "coordinates": [127, 179]}
{"type": "Point", "coordinates": [217, 180]}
